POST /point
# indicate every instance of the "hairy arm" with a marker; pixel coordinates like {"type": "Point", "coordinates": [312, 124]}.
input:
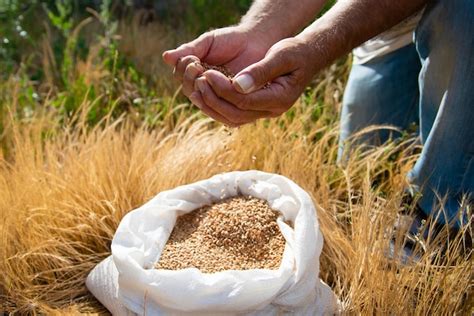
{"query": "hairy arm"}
{"type": "Point", "coordinates": [290, 64]}
{"type": "Point", "coordinates": [287, 65]}
{"type": "Point", "coordinates": [236, 47]}
{"type": "Point", "coordinates": [349, 23]}
{"type": "Point", "coordinates": [265, 23]}
{"type": "Point", "coordinates": [281, 18]}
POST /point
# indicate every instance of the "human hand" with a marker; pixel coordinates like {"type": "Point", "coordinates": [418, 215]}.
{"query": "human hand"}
{"type": "Point", "coordinates": [266, 88]}
{"type": "Point", "coordinates": [233, 47]}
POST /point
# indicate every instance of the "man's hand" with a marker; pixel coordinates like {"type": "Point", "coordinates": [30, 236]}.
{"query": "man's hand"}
{"type": "Point", "coordinates": [232, 47]}
{"type": "Point", "coordinates": [266, 88]}
{"type": "Point", "coordinates": [266, 23]}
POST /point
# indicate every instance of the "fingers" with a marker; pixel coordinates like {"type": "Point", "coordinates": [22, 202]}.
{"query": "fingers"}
{"type": "Point", "coordinates": [225, 109]}
{"type": "Point", "coordinates": [182, 63]}
{"type": "Point", "coordinates": [224, 89]}
{"type": "Point", "coordinates": [271, 99]}
{"type": "Point", "coordinates": [199, 48]}
{"type": "Point", "coordinates": [255, 76]}
{"type": "Point", "coordinates": [193, 71]}
{"type": "Point", "coordinates": [197, 100]}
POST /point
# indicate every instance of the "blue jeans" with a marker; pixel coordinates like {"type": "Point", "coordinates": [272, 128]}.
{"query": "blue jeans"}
{"type": "Point", "coordinates": [431, 82]}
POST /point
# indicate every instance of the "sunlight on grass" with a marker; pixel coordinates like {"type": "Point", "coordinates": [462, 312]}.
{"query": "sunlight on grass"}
{"type": "Point", "coordinates": [62, 197]}
{"type": "Point", "coordinates": [94, 139]}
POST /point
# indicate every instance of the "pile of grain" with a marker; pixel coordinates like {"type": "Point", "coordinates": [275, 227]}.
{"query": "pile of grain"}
{"type": "Point", "coordinates": [239, 233]}
{"type": "Point", "coordinates": [225, 71]}
{"type": "Point", "coordinates": [222, 69]}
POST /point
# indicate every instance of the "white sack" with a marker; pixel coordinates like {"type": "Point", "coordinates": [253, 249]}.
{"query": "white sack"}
{"type": "Point", "coordinates": [294, 288]}
{"type": "Point", "coordinates": [102, 282]}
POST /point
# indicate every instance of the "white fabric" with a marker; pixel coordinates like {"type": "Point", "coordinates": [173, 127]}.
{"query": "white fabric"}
{"type": "Point", "coordinates": [102, 282]}
{"type": "Point", "coordinates": [294, 288]}
{"type": "Point", "coordinates": [391, 40]}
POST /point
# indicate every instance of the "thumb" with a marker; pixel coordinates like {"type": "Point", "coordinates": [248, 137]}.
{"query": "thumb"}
{"type": "Point", "coordinates": [199, 48]}
{"type": "Point", "coordinates": [257, 75]}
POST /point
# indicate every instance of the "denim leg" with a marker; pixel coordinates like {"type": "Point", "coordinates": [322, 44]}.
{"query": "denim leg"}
{"type": "Point", "coordinates": [383, 91]}
{"type": "Point", "coordinates": [445, 169]}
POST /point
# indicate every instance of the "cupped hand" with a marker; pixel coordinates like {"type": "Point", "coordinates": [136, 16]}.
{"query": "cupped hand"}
{"type": "Point", "coordinates": [233, 47]}
{"type": "Point", "coordinates": [266, 88]}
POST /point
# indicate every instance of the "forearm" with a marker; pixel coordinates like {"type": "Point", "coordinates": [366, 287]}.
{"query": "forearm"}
{"type": "Point", "coordinates": [351, 22]}
{"type": "Point", "coordinates": [279, 19]}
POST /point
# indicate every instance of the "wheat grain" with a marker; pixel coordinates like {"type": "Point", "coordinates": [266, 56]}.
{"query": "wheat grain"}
{"type": "Point", "coordinates": [239, 233]}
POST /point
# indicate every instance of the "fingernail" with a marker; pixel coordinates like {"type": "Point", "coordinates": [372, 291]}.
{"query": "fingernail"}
{"type": "Point", "coordinates": [194, 70]}
{"type": "Point", "coordinates": [245, 82]}
{"type": "Point", "coordinates": [166, 56]}
{"type": "Point", "coordinates": [201, 85]}
{"type": "Point", "coordinates": [198, 66]}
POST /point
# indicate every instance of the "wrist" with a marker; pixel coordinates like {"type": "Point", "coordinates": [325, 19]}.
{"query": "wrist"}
{"type": "Point", "coordinates": [322, 44]}
{"type": "Point", "coordinates": [261, 31]}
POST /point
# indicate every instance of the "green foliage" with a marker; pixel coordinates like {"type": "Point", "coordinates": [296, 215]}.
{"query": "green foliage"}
{"type": "Point", "coordinates": [62, 20]}
{"type": "Point", "coordinates": [204, 14]}
{"type": "Point", "coordinates": [24, 26]}
{"type": "Point", "coordinates": [16, 34]}
{"type": "Point", "coordinates": [327, 6]}
{"type": "Point", "coordinates": [121, 87]}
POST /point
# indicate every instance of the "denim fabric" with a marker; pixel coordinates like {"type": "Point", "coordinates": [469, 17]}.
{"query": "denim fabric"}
{"type": "Point", "coordinates": [382, 91]}
{"type": "Point", "coordinates": [444, 40]}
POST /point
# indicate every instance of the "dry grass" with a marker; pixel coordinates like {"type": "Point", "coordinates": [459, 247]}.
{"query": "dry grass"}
{"type": "Point", "coordinates": [63, 195]}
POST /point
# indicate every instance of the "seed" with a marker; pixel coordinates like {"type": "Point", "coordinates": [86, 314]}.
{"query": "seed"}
{"type": "Point", "coordinates": [222, 69]}
{"type": "Point", "coordinates": [226, 72]}
{"type": "Point", "coordinates": [238, 233]}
